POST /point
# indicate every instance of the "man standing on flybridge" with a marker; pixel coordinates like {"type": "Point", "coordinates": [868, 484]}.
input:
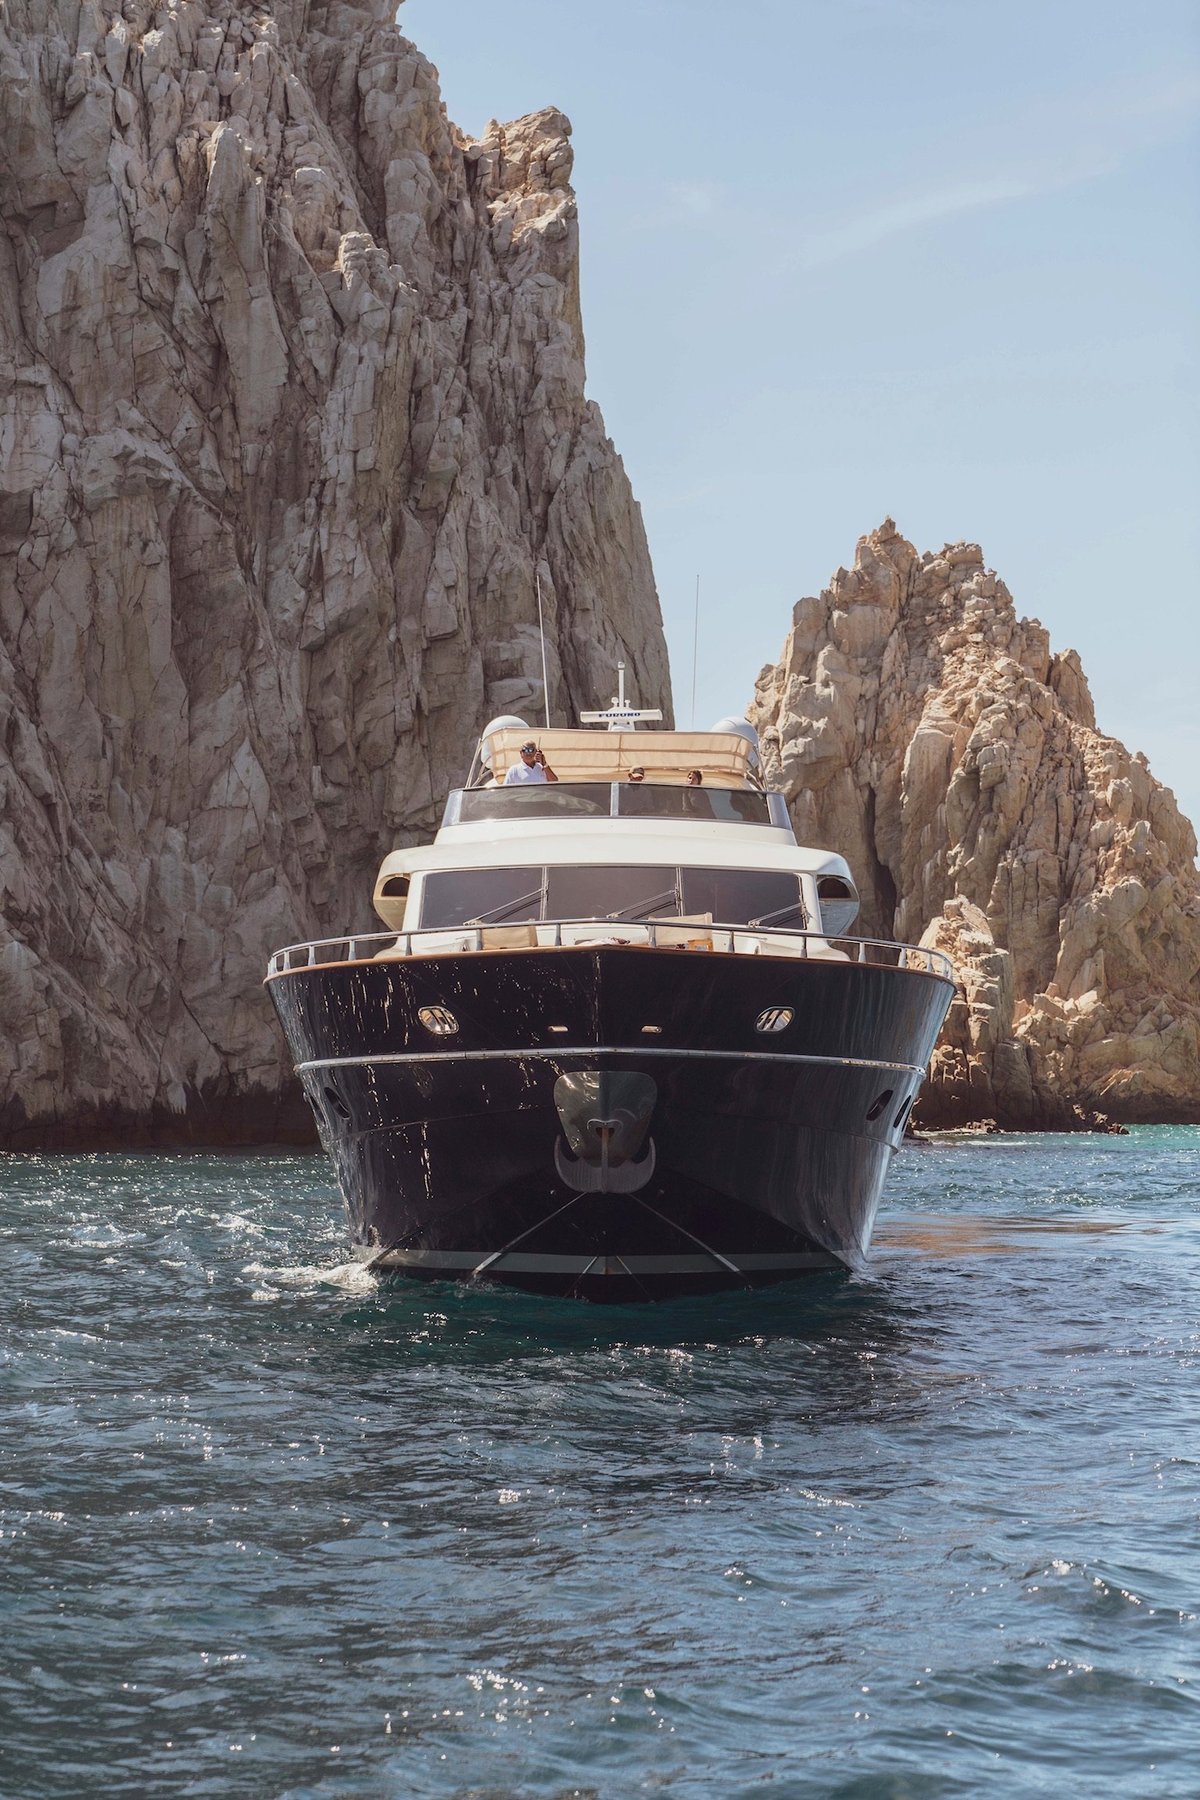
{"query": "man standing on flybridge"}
{"type": "Point", "coordinates": [532, 767]}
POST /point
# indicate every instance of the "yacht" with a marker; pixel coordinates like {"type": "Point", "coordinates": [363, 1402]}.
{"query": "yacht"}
{"type": "Point", "coordinates": [616, 1042]}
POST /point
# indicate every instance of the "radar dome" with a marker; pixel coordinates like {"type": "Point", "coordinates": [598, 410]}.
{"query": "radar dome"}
{"type": "Point", "coordinates": [506, 722]}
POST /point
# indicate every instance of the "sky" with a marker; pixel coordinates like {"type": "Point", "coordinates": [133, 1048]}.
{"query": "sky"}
{"type": "Point", "coordinates": [938, 259]}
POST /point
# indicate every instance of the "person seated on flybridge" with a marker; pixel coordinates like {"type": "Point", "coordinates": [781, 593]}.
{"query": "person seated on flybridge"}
{"type": "Point", "coordinates": [532, 767]}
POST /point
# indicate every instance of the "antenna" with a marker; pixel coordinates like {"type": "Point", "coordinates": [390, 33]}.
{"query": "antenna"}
{"type": "Point", "coordinates": [695, 650]}
{"type": "Point", "coordinates": [537, 576]}
{"type": "Point", "coordinates": [621, 715]}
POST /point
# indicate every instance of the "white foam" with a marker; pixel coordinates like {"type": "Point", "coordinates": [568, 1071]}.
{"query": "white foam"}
{"type": "Point", "coordinates": [351, 1277]}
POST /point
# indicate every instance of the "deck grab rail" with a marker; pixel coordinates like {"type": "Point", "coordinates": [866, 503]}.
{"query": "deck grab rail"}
{"type": "Point", "coordinates": [367, 946]}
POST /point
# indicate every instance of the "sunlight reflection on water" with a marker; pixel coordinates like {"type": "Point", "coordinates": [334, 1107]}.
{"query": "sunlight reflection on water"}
{"type": "Point", "coordinates": [926, 1531]}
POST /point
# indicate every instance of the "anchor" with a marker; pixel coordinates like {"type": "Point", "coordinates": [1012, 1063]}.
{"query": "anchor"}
{"type": "Point", "coordinates": [605, 1116]}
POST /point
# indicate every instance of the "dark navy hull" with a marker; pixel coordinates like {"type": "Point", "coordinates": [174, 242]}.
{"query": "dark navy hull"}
{"type": "Point", "coordinates": [610, 1122]}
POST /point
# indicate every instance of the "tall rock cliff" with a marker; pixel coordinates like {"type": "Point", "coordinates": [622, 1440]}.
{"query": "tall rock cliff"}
{"type": "Point", "coordinates": [291, 410]}
{"type": "Point", "coordinates": [922, 729]}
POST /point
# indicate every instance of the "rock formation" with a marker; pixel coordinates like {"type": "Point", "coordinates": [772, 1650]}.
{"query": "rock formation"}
{"type": "Point", "coordinates": [291, 410]}
{"type": "Point", "coordinates": [922, 729]}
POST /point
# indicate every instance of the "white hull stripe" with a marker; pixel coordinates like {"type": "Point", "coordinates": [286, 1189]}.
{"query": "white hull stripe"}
{"type": "Point", "coordinates": [528, 1263]}
{"type": "Point", "coordinates": [637, 1050]}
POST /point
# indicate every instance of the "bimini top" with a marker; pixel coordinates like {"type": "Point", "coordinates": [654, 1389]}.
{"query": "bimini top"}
{"type": "Point", "coordinates": [725, 758]}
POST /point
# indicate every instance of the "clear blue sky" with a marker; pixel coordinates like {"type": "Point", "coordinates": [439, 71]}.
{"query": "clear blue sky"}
{"type": "Point", "coordinates": [938, 258]}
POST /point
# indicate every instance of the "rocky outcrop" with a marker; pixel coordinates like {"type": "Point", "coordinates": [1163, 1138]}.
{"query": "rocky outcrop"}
{"type": "Point", "coordinates": [291, 410]}
{"type": "Point", "coordinates": [922, 729]}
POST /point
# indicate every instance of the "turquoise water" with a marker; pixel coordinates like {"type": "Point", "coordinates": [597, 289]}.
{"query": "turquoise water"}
{"type": "Point", "coordinates": [272, 1530]}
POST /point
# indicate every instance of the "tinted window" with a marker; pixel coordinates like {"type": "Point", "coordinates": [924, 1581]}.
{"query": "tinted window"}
{"type": "Point", "coordinates": [736, 896]}
{"type": "Point", "coordinates": [624, 891]}
{"type": "Point", "coordinates": [482, 896]}
{"type": "Point", "coordinates": [611, 893]}
{"type": "Point", "coordinates": [537, 800]}
{"type": "Point", "coordinates": [643, 800]}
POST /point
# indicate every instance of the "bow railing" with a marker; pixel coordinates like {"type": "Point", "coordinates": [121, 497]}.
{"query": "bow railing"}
{"type": "Point", "coordinates": [676, 934]}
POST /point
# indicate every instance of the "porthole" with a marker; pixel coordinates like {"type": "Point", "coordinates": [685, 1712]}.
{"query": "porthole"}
{"type": "Point", "coordinates": [901, 1117]}
{"type": "Point", "coordinates": [774, 1018]}
{"type": "Point", "coordinates": [877, 1106]}
{"type": "Point", "coordinates": [651, 1030]}
{"type": "Point", "coordinates": [395, 887]}
{"type": "Point", "coordinates": [337, 1103]}
{"type": "Point", "coordinates": [439, 1020]}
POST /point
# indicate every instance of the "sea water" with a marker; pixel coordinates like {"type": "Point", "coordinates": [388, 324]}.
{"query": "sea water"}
{"type": "Point", "coordinates": [271, 1528]}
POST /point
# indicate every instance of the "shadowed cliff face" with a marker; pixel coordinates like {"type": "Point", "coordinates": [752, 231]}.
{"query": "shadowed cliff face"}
{"type": "Point", "coordinates": [291, 408]}
{"type": "Point", "coordinates": [923, 730]}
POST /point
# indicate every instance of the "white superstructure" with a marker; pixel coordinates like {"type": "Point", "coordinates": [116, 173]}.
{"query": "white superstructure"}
{"type": "Point", "coordinates": [626, 837]}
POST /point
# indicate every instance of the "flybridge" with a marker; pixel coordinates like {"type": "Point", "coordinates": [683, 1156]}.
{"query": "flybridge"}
{"type": "Point", "coordinates": [725, 757]}
{"type": "Point", "coordinates": [620, 715]}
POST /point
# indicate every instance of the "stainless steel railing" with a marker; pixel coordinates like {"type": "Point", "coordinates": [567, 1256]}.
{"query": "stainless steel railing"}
{"type": "Point", "coordinates": [657, 934]}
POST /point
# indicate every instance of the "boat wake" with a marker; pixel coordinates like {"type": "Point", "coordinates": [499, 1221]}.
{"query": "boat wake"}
{"type": "Point", "coordinates": [352, 1277]}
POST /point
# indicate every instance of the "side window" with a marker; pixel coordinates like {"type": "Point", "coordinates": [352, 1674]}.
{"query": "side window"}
{"type": "Point", "coordinates": [839, 905]}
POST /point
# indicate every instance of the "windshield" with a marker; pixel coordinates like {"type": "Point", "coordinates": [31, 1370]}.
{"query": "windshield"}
{"type": "Point", "coordinates": [536, 800]}
{"type": "Point", "coordinates": [759, 897]}
{"type": "Point", "coordinates": [741, 806]}
{"type": "Point", "coordinates": [607, 891]}
{"type": "Point", "coordinates": [482, 897]}
{"type": "Point", "coordinates": [743, 896]}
